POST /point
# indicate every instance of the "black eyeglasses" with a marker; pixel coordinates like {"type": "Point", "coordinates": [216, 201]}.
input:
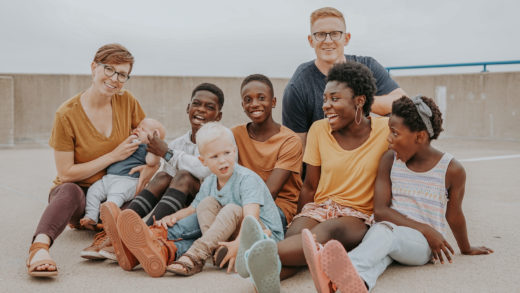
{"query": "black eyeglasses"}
{"type": "Point", "coordinates": [321, 36]}
{"type": "Point", "coordinates": [110, 71]}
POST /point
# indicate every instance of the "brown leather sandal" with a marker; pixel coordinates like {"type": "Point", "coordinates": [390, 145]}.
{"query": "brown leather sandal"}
{"type": "Point", "coordinates": [187, 269]}
{"type": "Point", "coordinates": [31, 268]}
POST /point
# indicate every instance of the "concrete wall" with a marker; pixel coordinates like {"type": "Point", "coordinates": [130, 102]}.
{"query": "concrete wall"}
{"type": "Point", "coordinates": [36, 97]}
{"type": "Point", "coordinates": [482, 105]}
{"type": "Point", "coordinates": [6, 111]}
{"type": "Point", "coordinates": [485, 105]}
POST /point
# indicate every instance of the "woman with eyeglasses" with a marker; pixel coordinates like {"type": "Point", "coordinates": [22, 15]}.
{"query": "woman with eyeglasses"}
{"type": "Point", "coordinates": [90, 132]}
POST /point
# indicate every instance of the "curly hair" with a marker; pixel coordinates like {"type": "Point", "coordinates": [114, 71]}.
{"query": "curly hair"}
{"type": "Point", "coordinates": [206, 86]}
{"type": "Point", "coordinates": [358, 78]}
{"type": "Point", "coordinates": [405, 108]}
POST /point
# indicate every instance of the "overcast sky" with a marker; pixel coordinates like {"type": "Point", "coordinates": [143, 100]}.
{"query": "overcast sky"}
{"type": "Point", "coordinates": [236, 38]}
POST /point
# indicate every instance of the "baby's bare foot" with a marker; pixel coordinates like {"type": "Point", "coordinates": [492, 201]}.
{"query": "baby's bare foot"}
{"type": "Point", "coordinates": [88, 223]}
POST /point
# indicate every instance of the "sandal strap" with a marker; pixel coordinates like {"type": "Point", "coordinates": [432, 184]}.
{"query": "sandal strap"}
{"type": "Point", "coordinates": [40, 263]}
{"type": "Point", "coordinates": [38, 245]}
{"type": "Point", "coordinates": [186, 265]}
{"type": "Point", "coordinates": [197, 266]}
{"type": "Point", "coordinates": [196, 260]}
{"type": "Point", "coordinates": [35, 246]}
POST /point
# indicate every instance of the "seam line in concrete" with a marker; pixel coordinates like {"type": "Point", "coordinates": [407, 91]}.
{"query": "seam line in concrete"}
{"type": "Point", "coordinates": [491, 158]}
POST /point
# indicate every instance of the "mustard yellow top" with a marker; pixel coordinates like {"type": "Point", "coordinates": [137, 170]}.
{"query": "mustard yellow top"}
{"type": "Point", "coordinates": [73, 132]}
{"type": "Point", "coordinates": [347, 177]}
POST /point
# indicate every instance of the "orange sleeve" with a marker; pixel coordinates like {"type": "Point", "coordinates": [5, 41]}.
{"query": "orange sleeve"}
{"type": "Point", "coordinates": [290, 156]}
{"type": "Point", "coordinates": [62, 137]}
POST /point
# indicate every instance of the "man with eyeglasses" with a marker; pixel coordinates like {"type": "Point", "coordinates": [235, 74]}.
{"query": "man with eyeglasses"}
{"type": "Point", "coordinates": [303, 96]}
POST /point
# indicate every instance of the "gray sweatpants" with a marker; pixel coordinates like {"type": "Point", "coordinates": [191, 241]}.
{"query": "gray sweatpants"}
{"type": "Point", "coordinates": [114, 188]}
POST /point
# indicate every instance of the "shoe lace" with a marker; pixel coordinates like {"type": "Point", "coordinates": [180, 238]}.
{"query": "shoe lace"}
{"type": "Point", "coordinates": [99, 238]}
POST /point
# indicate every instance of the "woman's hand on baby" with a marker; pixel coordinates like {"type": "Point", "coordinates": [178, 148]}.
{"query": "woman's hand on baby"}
{"type": "Point", "coordinates": [125, 149]}
{"type": "Point", "coordinates": [476, 250]}
{"type": "Point", "coordinates": [231, 255]}
{"type": "Point", "coordinates": [156, 145]}
{"type": "Point", "coordinates": [438, 244]}
{"type": "Point", "coordinates": [167, 221]}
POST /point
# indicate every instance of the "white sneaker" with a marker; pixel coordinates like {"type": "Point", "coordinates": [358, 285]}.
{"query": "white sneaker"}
{"type": "Point", "coordinates": [101, 240]}
{"type": "Point", "coordinates": [109, 253]}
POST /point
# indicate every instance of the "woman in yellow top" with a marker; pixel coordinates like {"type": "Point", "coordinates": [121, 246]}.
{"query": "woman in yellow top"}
{"type": "Point", "coordinates": [342, 156]}
{"type": "Point", "coordinates": [91, 131]}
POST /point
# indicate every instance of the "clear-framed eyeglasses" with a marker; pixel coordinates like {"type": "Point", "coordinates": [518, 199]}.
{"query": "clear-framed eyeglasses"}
{"type": "Point", "coordinates": [321, 36]}
{"type": "Point", "coordinates": [110, 71]}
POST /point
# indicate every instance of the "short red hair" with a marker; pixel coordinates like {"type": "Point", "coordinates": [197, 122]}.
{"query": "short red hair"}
{"type": "Point", "coordinates": [114, 54]}
{"type": "Point", "coordinates": [326, 12]}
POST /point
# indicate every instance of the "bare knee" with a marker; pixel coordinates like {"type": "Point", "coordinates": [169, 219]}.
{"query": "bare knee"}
{"type": "Point", "coordinates": [349, 232]}
{"type": "Point", "coordinates": [159, 183]}
{"type": "Point", "coordinates": [299, 224]}
{"type": "Point", "coordinates": [186, 183]}
{"type": "Point", "coordinates": [163, 178]}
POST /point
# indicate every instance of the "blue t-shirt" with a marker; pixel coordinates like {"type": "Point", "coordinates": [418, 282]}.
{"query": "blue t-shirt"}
{"type": "Point", "coordinates": [122, 168]}
{"type": "Point", "coordinates": [244, 187]}
{"type": "Point", "coordinates": [303, 95]}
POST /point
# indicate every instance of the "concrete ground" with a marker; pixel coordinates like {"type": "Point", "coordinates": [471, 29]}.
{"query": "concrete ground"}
{"type": "Point", "coordinates": [491, 207]}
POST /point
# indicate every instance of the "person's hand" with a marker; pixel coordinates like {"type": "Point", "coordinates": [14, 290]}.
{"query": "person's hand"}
{"type": "Point", "coordinates": [166, 221]}
{"type": "Point", "coordinates": [156, 145]}
{"type": "Point", "coordinates": [145, 174]}
{"type": "Point", "coordinates": [125, 149]}
{"type": "Point", "coordinates": [476, 250]}
{"type": "Point", "coordinates": [438, 245]}
{"type": "Point", "coordinates": [231, 255]}
{"type": "Point", "coordinates": [267, 232]}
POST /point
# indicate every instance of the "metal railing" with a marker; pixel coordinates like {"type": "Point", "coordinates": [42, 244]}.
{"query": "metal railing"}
{"type": "Point", "coordinates": [484, 64]}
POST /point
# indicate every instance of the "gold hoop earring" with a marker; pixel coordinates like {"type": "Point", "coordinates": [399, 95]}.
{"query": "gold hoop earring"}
{"type": "Point", "coordinates": [360, 116]}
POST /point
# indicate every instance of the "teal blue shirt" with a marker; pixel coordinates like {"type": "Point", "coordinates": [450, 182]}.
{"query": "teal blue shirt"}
{"type": "Point", "coordinates": [244, 187]}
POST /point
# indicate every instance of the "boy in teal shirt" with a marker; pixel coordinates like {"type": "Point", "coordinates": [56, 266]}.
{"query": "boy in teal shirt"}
{"type": "Point", "coordinates": [229, 194]}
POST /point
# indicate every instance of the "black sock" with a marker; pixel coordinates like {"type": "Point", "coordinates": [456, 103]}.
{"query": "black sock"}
{"type": "Point", "coordinates": [143, 203]}
{"type": "Point", "coordinates": [172, 201]}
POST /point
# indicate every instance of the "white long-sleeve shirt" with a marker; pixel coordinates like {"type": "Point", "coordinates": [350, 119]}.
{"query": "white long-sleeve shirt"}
{"type": "Point", "coordinates": [185, 157]}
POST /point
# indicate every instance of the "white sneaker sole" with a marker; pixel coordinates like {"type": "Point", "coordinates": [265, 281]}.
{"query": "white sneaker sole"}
{"type": "Point", "coordinates": [91, 255]}
{"type": "Point", "coordinates": [108, 255]}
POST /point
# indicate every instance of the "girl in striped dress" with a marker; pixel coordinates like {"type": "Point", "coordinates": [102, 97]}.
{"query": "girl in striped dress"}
{"type": "Point", "coordinates": [418, 194]}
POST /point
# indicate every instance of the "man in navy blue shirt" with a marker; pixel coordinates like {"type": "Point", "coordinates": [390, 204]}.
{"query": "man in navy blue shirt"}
{"type": "Point", "coordinates": [303, 96]}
